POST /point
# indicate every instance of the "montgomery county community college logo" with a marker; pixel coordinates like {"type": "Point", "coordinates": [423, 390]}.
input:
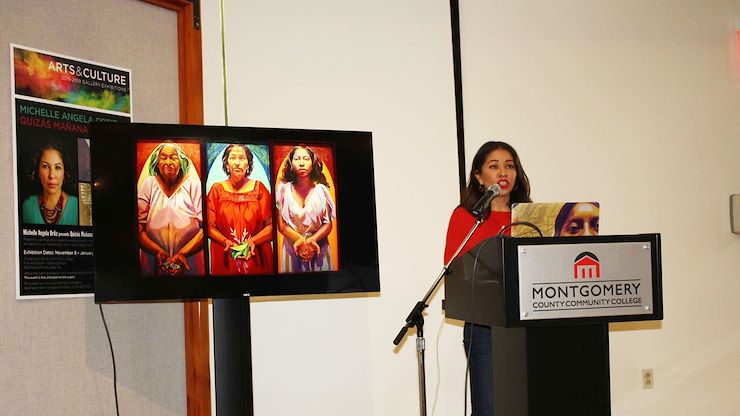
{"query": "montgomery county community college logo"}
{"type": "Point", "coordinates": [586, 266]}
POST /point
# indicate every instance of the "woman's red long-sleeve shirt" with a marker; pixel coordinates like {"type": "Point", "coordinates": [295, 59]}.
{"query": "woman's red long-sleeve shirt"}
{"type": "Point", "coordinates": [461, 221]}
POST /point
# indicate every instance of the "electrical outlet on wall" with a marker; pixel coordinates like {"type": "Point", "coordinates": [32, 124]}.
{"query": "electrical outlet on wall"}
{"type": "Point", "coordinates": [648, 379]}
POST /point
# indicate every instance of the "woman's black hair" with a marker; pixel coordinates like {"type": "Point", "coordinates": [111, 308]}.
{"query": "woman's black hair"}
{"type": "Point", "coordinates": [70, 180]}
{"type": "Point", "coordinates": [317, 166]}
{"type": "Point", "coordinates": [225, 157]}
{"type": "Point", "coordinates": [474, 191]}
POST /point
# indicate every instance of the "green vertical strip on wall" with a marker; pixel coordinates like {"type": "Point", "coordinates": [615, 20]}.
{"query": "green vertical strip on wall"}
{"type": "Point", "coordinates": [223, 65]}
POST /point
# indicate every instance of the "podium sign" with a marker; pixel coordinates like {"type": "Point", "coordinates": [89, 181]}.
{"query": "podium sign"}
{"type": "Point", "coordinates": [559, 281]}
{"type": "Point", "coordinates": [523, 282]}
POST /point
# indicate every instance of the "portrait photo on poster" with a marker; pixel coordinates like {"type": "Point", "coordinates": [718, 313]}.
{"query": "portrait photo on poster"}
{"type": "Point", "coordinates": [48, 189]}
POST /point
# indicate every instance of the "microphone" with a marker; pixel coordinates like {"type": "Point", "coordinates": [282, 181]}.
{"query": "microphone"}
{"type": "Point", "coordinates": [482, 205]}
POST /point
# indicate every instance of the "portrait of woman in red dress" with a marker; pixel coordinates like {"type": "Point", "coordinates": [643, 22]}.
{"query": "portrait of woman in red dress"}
{"type": "Point", "coordinates": [239, 217]}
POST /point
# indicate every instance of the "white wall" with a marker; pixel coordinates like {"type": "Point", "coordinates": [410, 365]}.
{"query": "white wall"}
{"type": "Point", "coordinates": [634, 104]}
{"type": "Point", "coordinates": [631, 103]}
{"type": "Point", "coordinates": [378, 66]}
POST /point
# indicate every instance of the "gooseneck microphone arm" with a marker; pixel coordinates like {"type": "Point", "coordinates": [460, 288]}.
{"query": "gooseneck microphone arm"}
{"type": "Point", "coordinates": [416, 319]}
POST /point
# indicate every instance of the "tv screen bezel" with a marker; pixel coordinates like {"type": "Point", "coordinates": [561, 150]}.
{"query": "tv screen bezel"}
{"type": "Point", "coordinates": [115, 227]}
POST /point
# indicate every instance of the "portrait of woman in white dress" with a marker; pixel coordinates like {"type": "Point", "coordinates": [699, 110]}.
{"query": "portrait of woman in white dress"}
{"type": "Point", "coordinates": [305, 201]}
{"type": "Point", "coordinates": [170, 213]}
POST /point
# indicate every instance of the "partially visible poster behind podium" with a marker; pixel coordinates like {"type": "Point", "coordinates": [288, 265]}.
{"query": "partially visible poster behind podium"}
{"type": "Point", "coordinates": [54, 98]}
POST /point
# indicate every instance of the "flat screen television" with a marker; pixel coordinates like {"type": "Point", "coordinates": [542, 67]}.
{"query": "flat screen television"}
{"type": "Point", "coordinates": [191, 212]}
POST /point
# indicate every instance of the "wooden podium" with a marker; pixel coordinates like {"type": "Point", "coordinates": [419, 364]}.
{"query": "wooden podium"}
{"type": "Point", "coordinates": [549, 301]}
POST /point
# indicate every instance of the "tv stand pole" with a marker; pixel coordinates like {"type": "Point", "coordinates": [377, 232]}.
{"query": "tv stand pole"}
{"type": "Point", "coordinates": [232, 356]}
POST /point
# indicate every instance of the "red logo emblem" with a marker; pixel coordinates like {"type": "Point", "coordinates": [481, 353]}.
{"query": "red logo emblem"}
{"type": "Point", "coordinates": [586, 266]}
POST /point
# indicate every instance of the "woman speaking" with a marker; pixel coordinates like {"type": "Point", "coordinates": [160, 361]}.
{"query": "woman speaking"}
{"type": "Point", "coordinates": [494, 163]}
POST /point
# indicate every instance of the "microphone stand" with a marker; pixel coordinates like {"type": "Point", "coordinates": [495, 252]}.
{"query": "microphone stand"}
{"type": "Point", "coordinates": [416, 319]}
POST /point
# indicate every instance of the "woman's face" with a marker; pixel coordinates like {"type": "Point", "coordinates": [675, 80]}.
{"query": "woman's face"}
{"type": "Point", "coordinates": [583, 220]}
{"type": "Point", "coordinates": [238, 163]}
{"type": "Point", "coordinates": [302, 163]}
{"type": "Point", "coordinates": [498, 168]}
{"type": "Point", "coordinates": [51, 171]}
{"type": "Point", "coordinates": [169, 164]}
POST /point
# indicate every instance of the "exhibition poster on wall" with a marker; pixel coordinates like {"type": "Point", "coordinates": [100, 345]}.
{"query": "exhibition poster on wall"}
{"type": "Point", "coordinates": [54, 99]}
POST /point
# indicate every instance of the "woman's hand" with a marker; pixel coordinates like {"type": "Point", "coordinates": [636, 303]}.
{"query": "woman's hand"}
{"type": "Point", "coordinates": [305, 249]}
{"type": "Point", "coordinates": [161, 259]}
{"type": "Point", "coordinates": [251, 248]}
{"type": "Point", "coordinates": [172, 266]}
{"type": "Point", "coordinates": [243, 251]}
{"type": "Point", "coordinates": [313, 245]}
{"type": "Point", "coordinates": [178, 264]}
